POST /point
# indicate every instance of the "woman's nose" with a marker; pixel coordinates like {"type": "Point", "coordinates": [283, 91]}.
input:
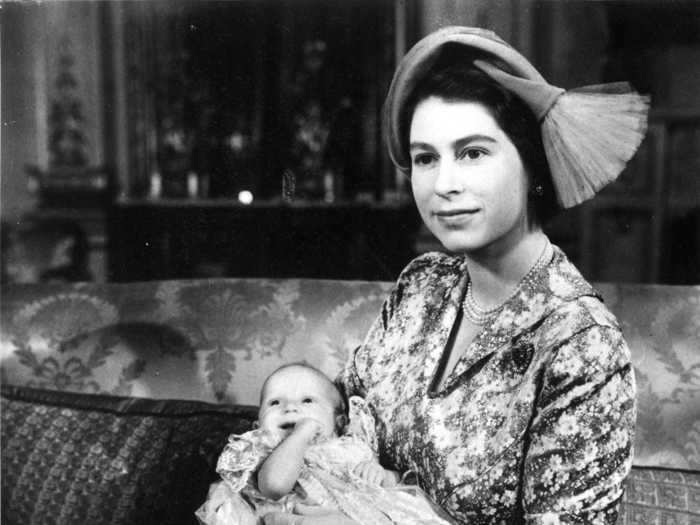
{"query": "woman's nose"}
{"type": "Point", "coordinates": [448, 180]}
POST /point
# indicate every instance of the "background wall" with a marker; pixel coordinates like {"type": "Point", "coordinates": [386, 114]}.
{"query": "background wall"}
{"type": "Point", "coordinates": [33, 37]}
{"type": "Point", "coordinates": [646, 228]}
{"type": "Point", "coordinates": [22, 74]}
{"type": "Point", "coordinates": [510, 19]}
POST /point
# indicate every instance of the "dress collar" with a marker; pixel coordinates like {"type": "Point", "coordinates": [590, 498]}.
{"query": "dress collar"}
{"type": "Point", "coordinates": [553, 284]}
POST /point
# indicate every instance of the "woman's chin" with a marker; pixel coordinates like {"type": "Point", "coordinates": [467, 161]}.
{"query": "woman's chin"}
{"type": "Point", "coordinates": [458, 244]}
{"type": "Point", "coordinates": [455, 239]}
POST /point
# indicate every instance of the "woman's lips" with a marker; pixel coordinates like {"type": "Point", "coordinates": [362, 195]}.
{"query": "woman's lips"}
{"type": "Point", "coordinates": [456, 216]}
{"type": "Point", "coordinates": [459, 211]}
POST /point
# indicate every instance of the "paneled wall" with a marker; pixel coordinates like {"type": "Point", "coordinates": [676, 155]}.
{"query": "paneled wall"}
{"type": "Point", "coordinates": [51, 50]}
{"type": "Point", "coordinates": [21, 119]}
{"type": "Point", "coordinates": [510, 19]}
{"type": "Point", "coordinates": [646, 226]}
{"type": "Point", "coordinates": [34, 37]}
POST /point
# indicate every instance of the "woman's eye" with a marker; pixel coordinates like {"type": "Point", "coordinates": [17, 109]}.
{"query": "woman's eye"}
{"type": "Point", "coordinates": [472, 153]}
{"type": "Point", "coordinates": [423, 159]}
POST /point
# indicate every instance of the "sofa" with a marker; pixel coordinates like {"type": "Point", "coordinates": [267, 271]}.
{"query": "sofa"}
{"type": "Point", "coordinates": [117, 398]}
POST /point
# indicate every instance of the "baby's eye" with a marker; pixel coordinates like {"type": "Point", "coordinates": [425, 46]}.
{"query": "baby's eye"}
{"type": "Point", "coordinates": [273, 402]}
{"type": "Point", "coordinates": [307, 400]}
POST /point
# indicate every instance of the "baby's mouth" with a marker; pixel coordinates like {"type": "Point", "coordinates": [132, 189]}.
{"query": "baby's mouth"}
{"type": "Point", "coordinates": [288, 426]}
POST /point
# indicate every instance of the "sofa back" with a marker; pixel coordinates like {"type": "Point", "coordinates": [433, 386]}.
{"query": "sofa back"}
{"type": "Point", "coordinates": [215, 340]}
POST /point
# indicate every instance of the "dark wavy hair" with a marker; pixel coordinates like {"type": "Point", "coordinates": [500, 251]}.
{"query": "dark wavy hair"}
{"type": "Point", "coordinates": [454, 78]}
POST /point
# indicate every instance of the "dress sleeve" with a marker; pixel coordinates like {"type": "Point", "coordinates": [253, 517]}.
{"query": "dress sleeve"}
{"type": "Point", "coordinates": [415, 277]}
{"type": "Point", "coordinates": [581, 438]}
{"type": "Point", "coordinates": [242, 456]}
{"type": "Point", "coordinates": [351, 378]}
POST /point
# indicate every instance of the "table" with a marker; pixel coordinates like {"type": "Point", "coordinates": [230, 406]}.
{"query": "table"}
{"type": "Point", "coordinates": [179, 238]}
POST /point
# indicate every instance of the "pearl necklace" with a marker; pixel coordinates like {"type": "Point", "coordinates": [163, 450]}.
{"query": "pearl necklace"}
{"type": "Point", "coordinates": [480, 316]}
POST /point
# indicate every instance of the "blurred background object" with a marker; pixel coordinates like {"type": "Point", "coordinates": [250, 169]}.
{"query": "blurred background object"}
{"type": "Point", "coordinates": [145, 123]}
{"type": "Point", "coordinates": [44, 251]}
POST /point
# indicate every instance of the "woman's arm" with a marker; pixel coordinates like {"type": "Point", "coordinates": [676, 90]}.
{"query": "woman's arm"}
{"type": "Point", "coordinates": [351, 378]}
{"type": "Point", "coordinates": [581, 440]}
{"type": "Point", "coordinates": [280, 471]}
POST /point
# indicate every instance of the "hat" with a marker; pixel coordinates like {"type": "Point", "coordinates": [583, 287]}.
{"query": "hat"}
{"type": "Point", "coordinates": [589, 134]}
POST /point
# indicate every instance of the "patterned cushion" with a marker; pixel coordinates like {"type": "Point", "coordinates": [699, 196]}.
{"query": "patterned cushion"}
{"type": "Point", "coordinates": [661, 497]}
{"type": "Point", "coordinates": [76, 458]}
{"type": "Point", "coordinates": [73, 458]}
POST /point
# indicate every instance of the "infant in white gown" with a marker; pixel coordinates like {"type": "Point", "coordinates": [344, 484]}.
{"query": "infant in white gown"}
{"type": "Point", "coordinates": [328, 478]}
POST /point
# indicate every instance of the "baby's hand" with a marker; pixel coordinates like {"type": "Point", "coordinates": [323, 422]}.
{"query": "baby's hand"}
{"type": "Point", "coordinates": [373, 472]}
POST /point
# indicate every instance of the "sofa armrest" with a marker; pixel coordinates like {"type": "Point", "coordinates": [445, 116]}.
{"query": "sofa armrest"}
{"type": "Point", "coordinates": [661, 495]}
{"type": "Point", "coordinates": [79, 458]}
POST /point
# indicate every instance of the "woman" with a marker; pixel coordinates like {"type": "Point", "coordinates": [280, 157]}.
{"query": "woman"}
{"type": "Point", "coordinates": [496, 374]}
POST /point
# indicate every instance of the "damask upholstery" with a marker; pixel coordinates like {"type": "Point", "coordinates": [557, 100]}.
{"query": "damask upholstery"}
{"type": "Point", "coordinates": [662, 327]}
{"type": "Point", "coordinates": [208, 340]}
{"type": "Point", "coordinates": [214, 340]}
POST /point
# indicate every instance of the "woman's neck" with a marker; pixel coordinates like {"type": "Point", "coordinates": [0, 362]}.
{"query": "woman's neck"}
{"type": "Point", "coordinates": [496, 271]}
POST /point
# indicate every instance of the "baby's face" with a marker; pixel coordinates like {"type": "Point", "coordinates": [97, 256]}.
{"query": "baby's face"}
{"type": "Point", "coordinates": [295, 393]}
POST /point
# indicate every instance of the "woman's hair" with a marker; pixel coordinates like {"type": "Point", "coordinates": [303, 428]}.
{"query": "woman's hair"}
{"type": "Point", "coordinates": [454, 78]}
{"type": "Point", "coordinates": [341, 406]}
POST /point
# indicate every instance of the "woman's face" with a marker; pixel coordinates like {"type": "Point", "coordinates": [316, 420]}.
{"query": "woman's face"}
{"type": "Point", "coordinates": [468, 179]}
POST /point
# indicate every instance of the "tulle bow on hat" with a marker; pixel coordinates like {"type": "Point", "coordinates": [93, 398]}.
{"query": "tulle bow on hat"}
{"type": "Point", "coordinates": [589, 134]}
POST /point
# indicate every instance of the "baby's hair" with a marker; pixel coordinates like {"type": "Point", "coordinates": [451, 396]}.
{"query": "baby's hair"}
{"type": "Point", "coordinates": [341, 408]}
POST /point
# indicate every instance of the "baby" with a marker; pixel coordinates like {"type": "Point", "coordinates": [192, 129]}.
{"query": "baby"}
{"type": "Point", "coordinates": [307, 451]}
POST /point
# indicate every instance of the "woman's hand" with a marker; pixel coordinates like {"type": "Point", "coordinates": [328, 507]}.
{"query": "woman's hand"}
{"type": "Point", "coordinates": [308, 515]}
{"type": "Point", "coordinates": [282, 518]}
{"type": "Point", "coordinates": [373, 472]}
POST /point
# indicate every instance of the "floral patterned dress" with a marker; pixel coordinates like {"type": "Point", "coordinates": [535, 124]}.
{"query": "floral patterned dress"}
{"type": "Point", "coordinates": [534, 425]}
{"type": "Point", "coordinates": [327, 479]}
